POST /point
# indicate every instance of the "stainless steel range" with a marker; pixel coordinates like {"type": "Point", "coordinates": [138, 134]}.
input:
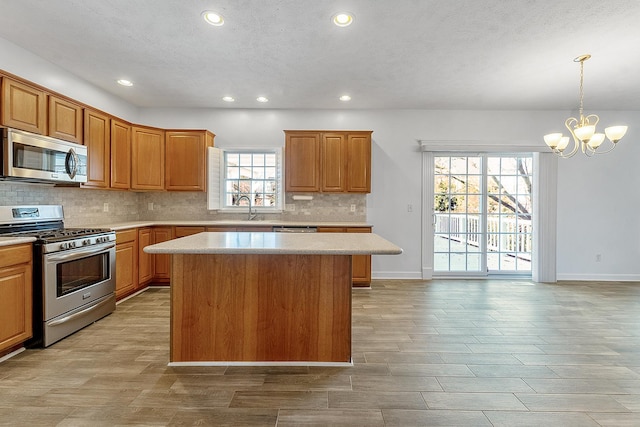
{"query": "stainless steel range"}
{"type": "Point", "coordinates": [74, 270]}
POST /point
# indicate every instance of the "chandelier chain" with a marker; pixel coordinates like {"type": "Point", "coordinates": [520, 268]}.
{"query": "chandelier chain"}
{"type": "Point", "coordinates": [581, 88]}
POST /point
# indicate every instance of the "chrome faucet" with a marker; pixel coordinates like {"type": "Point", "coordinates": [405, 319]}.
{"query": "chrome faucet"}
{"type": "Point", "coordinates": [237, 203]}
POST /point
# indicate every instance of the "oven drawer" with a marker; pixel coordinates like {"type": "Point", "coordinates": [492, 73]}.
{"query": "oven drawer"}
{"type": "Point", "coordinates": [74, 320]}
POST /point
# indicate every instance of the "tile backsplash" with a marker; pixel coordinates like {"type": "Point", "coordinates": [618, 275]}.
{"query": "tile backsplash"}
{"type": "Point", "coordinates": [86, 207]}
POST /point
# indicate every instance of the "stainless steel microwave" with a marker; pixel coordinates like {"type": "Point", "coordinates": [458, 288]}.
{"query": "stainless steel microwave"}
{"type": "Point", "coordinates": [30, 157]}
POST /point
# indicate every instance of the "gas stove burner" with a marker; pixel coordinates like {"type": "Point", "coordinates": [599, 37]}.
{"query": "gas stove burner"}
{"type": "Point", "coordinates": [68, 233]}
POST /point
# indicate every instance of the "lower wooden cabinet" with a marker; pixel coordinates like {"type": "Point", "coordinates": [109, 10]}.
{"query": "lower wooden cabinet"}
{"type": "Point", "coordinates": [145, 260]}
{"type": "Point", "coordinates": [126, 262]}
{"type": "Point", "coordinates": [188, 231]}
{"type": "Point", "coordinates": [135, 269]}
{"type": "Point", "coordinates": [360, 264]}
{"type": "Point", "coordinates": [16, 297]}
{"type": "Point", "coordinates": [161, 262]}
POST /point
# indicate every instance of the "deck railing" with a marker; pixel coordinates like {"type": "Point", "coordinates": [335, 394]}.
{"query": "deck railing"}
{"type": "Point", "coordinates": [504, 234]}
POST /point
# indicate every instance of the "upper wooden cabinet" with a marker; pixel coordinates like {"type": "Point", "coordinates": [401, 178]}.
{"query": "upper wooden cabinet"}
{"type": "Point", "coordinates": [23, 107]}
{"type": "Point", "coordinates": [120, 154]}
{"type": "Point", "coordinates": [302, 161]}
{"type": "Point", "coordinates": [147, 158]}
{"type": "Point", "coordinates": [97, 138]}
{"type": "Point", "coordinates": [332, 162]}
{"type": "Point", "coordinates": [65, 119]}
{"type": "Point", "coordinates": [358, 167]}
{"type": "Point", "coordinates": [186, 159]}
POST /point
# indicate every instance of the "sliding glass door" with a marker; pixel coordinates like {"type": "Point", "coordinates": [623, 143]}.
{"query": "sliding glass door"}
{"type": "Point", "coordinates": [482, 214]}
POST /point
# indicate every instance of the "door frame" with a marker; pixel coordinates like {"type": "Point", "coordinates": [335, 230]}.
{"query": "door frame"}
{"type": "Point", "coordinates": [545, 167]}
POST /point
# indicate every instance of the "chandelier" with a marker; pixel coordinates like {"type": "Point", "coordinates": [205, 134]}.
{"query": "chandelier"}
{"type": "Point", "coordinates": [583, 130]}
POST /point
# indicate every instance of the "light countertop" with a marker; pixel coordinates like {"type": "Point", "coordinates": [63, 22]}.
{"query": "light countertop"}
{"type": "Point", "coordinates": [8, 241]}
{"type": "Point", "coordinates": [277, 243]}
{"type": "Point", "coordinates": [231, 223]}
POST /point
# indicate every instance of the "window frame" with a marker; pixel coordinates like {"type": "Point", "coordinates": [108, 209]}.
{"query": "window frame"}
{"type": "Point", "coordinates": [279, 178]}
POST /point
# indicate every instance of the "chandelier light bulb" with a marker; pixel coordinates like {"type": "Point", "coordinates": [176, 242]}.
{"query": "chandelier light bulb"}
{"type": "Point", "coordinates": [564, 141]}
{"type": "Point", "coordinates": [552, 140]}
{"type": "Point", "coordinates": [584, 133]}
{"type": "Point", "coordinates": [596, 140]}
{"type": "Point", "coordinates": [615, 133]}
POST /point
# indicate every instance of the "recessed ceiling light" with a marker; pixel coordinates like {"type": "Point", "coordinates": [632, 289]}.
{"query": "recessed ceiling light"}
{"type": "Point", "coordinates": [343, 19]}
{"type": "Point", "coordinates": [345, 98]}
{"type": "Point", "coordinates": [125, 82]}
{"type": "Point", "coordinates": [213, 18]}
{"type": "Point", "coordinates": [262, 99]}
{"type": "Point", "coordinates": [228, 98]}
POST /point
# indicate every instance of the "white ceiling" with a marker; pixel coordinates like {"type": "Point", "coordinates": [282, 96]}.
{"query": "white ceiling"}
{"type": "Point", "coordinates": [431, 54]}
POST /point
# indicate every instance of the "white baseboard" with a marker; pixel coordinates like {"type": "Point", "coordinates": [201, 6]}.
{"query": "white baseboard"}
{"type": "Point", "coordinates": [599, 277]}
{"type": "Point", "coordinates": [390, 275]}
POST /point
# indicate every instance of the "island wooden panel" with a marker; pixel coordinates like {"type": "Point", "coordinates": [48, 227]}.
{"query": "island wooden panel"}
{"type": "Point", "coordinates": [271, 308]}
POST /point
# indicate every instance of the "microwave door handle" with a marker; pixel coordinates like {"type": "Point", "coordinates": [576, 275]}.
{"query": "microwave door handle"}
{"type": "Point", "coordinates": [71, 163]}
{"type": "Point", "coordinates": [81, 254]}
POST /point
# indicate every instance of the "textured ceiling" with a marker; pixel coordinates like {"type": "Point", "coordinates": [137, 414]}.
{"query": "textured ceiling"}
{"type": "Point", "coordinates": [432, 54]}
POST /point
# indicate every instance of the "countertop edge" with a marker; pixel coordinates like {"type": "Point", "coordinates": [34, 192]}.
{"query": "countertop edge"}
{"type": "Point", "coordinates": [270, 243]}
{"type": "Point", "coordinates": [10, 241]}
{"type": "Point", "coordinates": [230, 223]}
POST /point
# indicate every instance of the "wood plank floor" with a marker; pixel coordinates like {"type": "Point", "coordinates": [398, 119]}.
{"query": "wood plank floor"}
{"type": "Point", "coordinates": [438, 353]}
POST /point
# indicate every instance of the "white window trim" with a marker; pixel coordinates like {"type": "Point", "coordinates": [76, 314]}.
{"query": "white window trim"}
{"type": "Point", "coordinates": [216, 180]}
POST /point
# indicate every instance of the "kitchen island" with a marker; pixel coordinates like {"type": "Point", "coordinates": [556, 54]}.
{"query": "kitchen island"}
{"type": "Point", "coordinates": [264, 298]}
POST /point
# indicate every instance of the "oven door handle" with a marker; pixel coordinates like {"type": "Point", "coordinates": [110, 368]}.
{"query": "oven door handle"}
{"type": "Point", "coordinates": [78, 314]}
{"type": "Point", "coordinates": [80, 254]}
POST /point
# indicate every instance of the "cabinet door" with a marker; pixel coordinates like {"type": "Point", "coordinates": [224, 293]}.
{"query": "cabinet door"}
{"type": "Point", "coordinates": [162, 262]}
{"type": "Point", "coordinates": [186, 160]}
{"type": "Point", "coordinates": [97, 138]}
{"type": "Point", "coordinates": [120, 155]}
{"type": "Point", "coordinates": [17, 298]}
{"type": "Point", "coordinates": [145, 260]}
{"type": "Point", "coordinates": [221, 229]}
{"type": "Point", "coordinates": [65, 120]}
{"type": "Point", "coordinates": [302, 161]}
{"type": "Point", "coordinates": [360, 264]}
{"type": "Point", "coordinates": [23, 107]}
{"type": "Point", "coordinates": [147, 158]}
{"type": "Point", "coordinates": [359, 163]}
{"type": "Point", "coordinates": [188, 231]}
{"type": "Point", "coordinates": [256, 229]}
{"type": "Point", "coordinates": [126, 268]}
{"type": "Point", "coordinates": [333, 163]}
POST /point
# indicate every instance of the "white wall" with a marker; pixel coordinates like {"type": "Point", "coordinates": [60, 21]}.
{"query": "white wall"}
{"type": "Point", "coordinates": [597, 196]}
{"type": "Point", "coordinates": [22, 63]}
{"type": "Point", "coordinates": [597, 200]}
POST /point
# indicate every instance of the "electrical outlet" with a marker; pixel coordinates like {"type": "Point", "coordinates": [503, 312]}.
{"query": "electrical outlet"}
{"type": "Point", "coordinates": [150, 206]}
{"type": "Point", "coordinates": [353, 208]}
{"type": "Point", "coordinates": [409, 207]}
{"type": "Point", "coordinates": [105, 207]}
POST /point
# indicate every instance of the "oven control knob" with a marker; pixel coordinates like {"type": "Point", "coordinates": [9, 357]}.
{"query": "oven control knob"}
{"type": "Point", "coordinates": [86, 242]}
{"type": "Point", "coordinates": [72, 244]}
{"type": "Point", "coordinates": [64, 245]}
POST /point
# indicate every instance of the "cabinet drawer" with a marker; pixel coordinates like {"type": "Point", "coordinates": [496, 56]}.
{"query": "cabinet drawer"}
{"type": "Point", "coordinates": [12, 255]}
{"type": "Point", "coordinates": [126, 235]}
